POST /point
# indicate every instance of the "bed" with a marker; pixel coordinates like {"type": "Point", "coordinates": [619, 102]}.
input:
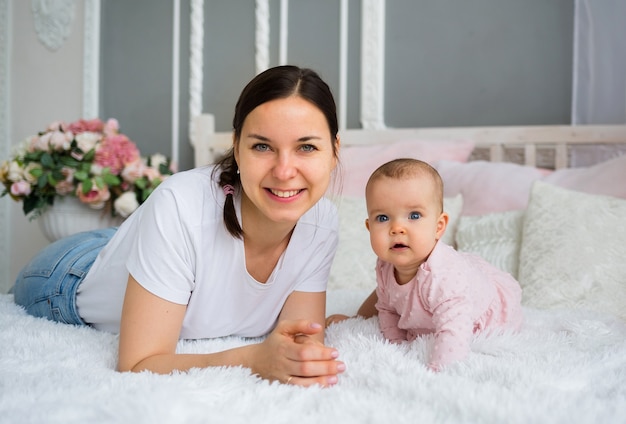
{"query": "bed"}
{"type": "Point", "coordinates": [513, 198]}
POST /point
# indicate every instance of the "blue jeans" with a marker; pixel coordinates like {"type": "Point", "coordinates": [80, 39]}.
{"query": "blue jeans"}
{"type": "Point", "coordinates": [47, 286]}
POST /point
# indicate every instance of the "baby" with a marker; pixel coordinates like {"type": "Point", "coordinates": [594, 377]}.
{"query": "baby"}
{"type": "Point", "coordinates": [423, 285]}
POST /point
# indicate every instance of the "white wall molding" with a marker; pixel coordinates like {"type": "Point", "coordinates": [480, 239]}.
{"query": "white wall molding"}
{"type": "Point", "coordinates": [283, 32]}
{"type": "Point", "coordinates": [53, 21]}
{"type": "Point", "coordinates": [175, 80]}
{"type": "Point", "coordinates": [262, 36]}
{"type": "Point", "coordinates": [196, 59]}
{"type": "Point", "coordinates": [5, 136]}
{"type": "Point", "coordinates": [343, 64]}
{"type": "Point", "coordinates": [91, 60]}
{"type": "Point", "coordinates": [373, 64]}
{"type": "Point", "coordinates": [196, 63]}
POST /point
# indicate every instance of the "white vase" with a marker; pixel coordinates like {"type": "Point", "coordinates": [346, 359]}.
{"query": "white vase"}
{"type": "Point", "coordinates": [69, 216]}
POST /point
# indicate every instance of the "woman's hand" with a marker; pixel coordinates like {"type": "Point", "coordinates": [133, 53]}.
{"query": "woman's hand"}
{"type": "Point", "coordinates": [291, 354]}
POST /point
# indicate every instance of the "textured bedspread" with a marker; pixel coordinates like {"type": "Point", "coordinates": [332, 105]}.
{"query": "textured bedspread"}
{"type": "Point", "coordinates": [565, 366]}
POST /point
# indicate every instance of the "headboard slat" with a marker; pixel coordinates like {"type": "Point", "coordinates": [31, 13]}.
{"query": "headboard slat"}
{"type": "Point", "coordinates": [209, 144]}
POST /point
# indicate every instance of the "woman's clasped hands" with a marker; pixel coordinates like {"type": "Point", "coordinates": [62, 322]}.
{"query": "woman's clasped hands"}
{"type": "Point", "coordinates": [291, 354]}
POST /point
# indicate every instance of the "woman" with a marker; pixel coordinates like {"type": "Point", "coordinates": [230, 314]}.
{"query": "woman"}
{"type": "Point", "coordinates": [243, 248]}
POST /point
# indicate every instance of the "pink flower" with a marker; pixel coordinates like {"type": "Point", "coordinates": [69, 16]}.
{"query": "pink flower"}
{"type": "Point", "coordinates": [66, 186]}
{"type": "Point", "coordinates": [56, 140]}
{"type": "Point", "coordinates": [151, 173]}
{"type": "Point", "coordinates": [133, 171]}
{"type": "Point", "coordinates": [57, 126]}
{"type": "Point", "coordinates": [112, 127]}
{"type": "Point", "coordinates": [95, 198]}
{"type": "Point", "coordinates": [91, 125]}
{"type": "Point", "coordinates": [20, 188]}
{"type": "Point", "coordinates": [116, 152]}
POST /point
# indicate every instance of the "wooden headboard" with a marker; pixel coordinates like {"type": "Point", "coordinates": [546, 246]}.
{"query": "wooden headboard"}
{"type": "Point", "coordinates": [536, 145]}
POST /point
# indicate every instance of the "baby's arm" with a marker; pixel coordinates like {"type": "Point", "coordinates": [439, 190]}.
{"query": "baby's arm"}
{"type": "Point", "coordinates": [367, 310]}
{"type": "Point", "coordinates": [388, 321]}
{"type": "Point", "coordinates": [453, 332]}
{"type": "Point", "coordinates": [388, 318]}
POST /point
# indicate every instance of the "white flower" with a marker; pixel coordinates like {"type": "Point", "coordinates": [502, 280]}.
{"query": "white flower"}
{"type": "Point", "coordinates": [15, 172]}
{"type": "Point", "coordinates": [27, 174]}
{"type": "Point", "coordinates": [157, 160]}
{"type": "Point", "coordinates": [87, 140]}
{"type": "Point", "coordinates": [126, 204]}
{"type": "Point", "coordinates": [96, 169]}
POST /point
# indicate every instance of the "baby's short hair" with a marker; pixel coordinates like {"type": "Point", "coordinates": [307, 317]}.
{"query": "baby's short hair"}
{"type": "Point", "coordinates": [405, 168]}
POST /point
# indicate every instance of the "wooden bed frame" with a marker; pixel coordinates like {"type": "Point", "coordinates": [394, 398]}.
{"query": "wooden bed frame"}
{"type": "Point", "coordinates": [547, 146]}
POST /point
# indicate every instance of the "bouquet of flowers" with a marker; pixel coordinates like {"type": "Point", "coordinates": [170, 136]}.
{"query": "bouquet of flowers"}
{"type": "Point", "coordinates": [89, 159]}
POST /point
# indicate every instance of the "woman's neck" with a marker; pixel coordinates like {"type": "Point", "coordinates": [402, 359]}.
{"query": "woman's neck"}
{"type": "Point", "coordinates": [264, 241]}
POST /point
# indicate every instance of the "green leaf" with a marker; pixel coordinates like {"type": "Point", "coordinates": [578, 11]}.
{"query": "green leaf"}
{"type": "Point", "coordinates": [46, 160]}
{"type": "Point", "coordinates": [81, 175]}
{"type": "Point", "coordinates": [142, 183]}
{"type": "Point", "coordinates": [89, 155]}
{"type": "Point", "coordinates": [33, 156]}
{"type": "Point", "coordinates": [51, 179]}
{"type": "Point", "coordinates": [145, 194]}
{"type": "Point", "coordinates": [57, 175]}
{"type": "Point", "coordinates": [99, 182]}
{"type": "Point", "coordinates": [111, 180]}
{"type": "Point", "coordinates": [42, 180]}
{"type": "Point", "coordinates": [69, 161]}
{"type": "Point", "coordinates": [30, 203]}
{"type": "Point", "coordinates": [87, 185]}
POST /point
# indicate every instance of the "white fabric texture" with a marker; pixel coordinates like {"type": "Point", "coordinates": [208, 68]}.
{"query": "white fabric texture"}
{"type": "Point", "coordinates": [495, 237]}
{"type": "Point", "coordinates": [573, 253]}
{"type": "Point", "coordinates": [202, 265]}
{"type": "Point", "coordinates": [599, 86]}
{"type": "Point", "coordinates": [355, 261]}
{"type": "Point", "coordinates": [562, 367]}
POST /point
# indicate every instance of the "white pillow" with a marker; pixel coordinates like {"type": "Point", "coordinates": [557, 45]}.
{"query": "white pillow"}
{"type": "Point", "coordinates": [496, 237]}
{"type": "Point", "coordinates": [355, 260]}
{"type": "Point", "coordinates": [453, 206]}
{"type": "Point", "coordinates": [573, 251]}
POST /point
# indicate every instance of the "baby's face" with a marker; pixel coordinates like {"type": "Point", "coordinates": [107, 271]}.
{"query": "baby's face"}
{"type": "Point", "coordinates": [404, 220]}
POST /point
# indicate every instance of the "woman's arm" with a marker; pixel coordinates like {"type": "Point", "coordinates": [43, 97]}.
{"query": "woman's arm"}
{"type": "Point", "coordinates": [149, 333]}
{"type": "Point", "coordinates": [306, 305]}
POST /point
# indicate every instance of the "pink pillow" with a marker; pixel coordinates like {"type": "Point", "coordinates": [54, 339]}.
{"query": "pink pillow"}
{"type": "Point", "coordinates": [608, 178]}
{"type": "Point", "coordinates": [488, 187]}
{"type": "Point", "coordinates": [358, 162]}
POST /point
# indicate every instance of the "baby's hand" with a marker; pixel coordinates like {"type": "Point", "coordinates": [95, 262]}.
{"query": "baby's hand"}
{"type": "Point", "coordinates": [334, 319]}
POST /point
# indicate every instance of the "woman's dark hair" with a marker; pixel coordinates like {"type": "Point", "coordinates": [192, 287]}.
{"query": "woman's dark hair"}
{"type": "Point", "coordinates": [275, 83]}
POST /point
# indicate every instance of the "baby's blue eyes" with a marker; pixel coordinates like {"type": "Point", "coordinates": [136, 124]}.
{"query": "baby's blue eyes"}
{"type": "Point", "coordinates": [385, 218]}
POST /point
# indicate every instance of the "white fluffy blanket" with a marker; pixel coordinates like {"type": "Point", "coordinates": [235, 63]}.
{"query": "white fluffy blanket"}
{"type": "Point", "coordinates": [565, 366]}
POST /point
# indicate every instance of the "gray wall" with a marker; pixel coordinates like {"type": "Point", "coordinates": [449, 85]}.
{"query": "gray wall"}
{"type": "Point", "coordinates": [448, 62]}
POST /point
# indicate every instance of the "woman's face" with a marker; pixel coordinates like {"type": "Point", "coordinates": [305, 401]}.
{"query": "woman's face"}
{"type": "Point", "coordinates": [285, 158]}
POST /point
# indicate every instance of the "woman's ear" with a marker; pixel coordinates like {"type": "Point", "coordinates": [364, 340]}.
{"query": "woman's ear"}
{"type": "Point", "coordinates": [337, 150]}
{"type": "Point", "coordinates": [236, 149]}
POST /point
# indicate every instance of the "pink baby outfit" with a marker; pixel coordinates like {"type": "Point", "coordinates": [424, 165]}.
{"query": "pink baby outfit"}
{"type": "Point", "coordinates": [454, 295]}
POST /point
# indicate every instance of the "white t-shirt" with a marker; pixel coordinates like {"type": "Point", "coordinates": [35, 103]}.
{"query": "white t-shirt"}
{"type": "Point", "coordinates": [177, 247]}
